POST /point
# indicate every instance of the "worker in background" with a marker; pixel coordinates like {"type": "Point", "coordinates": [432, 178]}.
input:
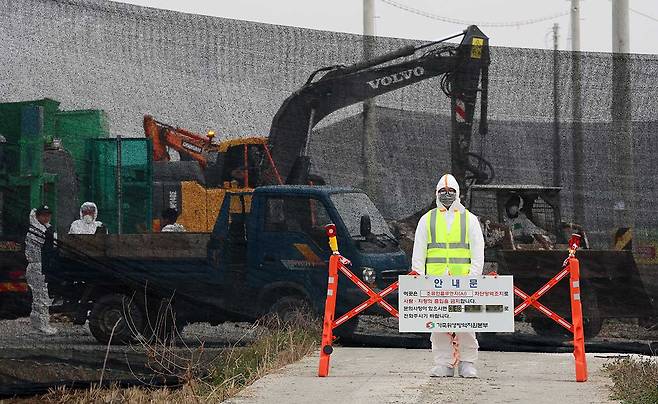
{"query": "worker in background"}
{"type": "Point", "coordinates": [449, 242]}
{"type": "Point", "coordinates": [522, 228]}
{"type": "Point", "coordinates": [39, 230]}
{"type": "Point", "coordinates": [168, 221]}
{"type": "Point", "coordinates": [87, 224]}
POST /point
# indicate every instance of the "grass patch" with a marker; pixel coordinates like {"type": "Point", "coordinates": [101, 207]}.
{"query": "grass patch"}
{"type": "Point", "coordinates": [635, 380]}
{"type": "Point", "coordinates": [275, 346]}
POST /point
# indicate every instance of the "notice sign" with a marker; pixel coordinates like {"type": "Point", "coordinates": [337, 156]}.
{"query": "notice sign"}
{"type": "Point", "coordinates": [451, 304]}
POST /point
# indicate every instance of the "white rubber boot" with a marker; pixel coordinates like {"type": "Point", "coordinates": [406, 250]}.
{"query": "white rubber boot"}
{"type": "Point", "coordinates": [467, 369]}
{"type": "Point", "coordinates": [442, 371]}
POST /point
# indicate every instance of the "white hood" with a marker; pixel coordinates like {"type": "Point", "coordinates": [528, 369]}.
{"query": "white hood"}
{"type": "Point", "coordinates": [81, 227]}
{"type": "Point", "coordinates": [448, 181]}
{"type": "Point", "coordinates": [89, 205]}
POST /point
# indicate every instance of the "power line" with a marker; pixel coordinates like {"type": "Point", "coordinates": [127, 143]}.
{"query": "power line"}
{"type": "Point", "coordinates": [644, 15]}
{"type": "Point", "coordinates": [464, 22]}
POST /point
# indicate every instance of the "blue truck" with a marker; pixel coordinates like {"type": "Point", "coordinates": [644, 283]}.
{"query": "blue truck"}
{"type": "Point", "coordinates": [267, 253]}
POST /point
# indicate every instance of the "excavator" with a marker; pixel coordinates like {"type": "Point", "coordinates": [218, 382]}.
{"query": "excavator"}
{"type": "Point", "coordinates": [197, 190]}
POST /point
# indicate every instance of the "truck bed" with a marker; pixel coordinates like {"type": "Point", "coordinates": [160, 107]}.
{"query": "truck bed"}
{"type": "Point", "coordinates": [136, 246]}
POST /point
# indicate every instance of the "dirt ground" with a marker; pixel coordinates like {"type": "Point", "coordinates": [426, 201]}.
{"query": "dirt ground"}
{"type": "Point", "coordinates": [28, 358]}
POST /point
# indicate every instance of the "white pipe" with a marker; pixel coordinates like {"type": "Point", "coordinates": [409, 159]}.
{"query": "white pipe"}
{"type": "Point", "coordinates": [620, 35]}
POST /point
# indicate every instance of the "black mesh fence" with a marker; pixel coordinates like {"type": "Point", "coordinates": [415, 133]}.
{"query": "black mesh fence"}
{"type": "Point", "coordinates": [573, 135]}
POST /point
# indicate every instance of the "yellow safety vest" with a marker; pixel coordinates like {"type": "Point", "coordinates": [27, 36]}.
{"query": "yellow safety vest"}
{"type": "Point", "coordinates": [448, 253]}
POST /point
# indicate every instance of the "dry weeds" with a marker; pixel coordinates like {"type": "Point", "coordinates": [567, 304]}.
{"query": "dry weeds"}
{"type": "Point", "coordinates": [635, 380]}
{"type": "Point", "coordinates": [277, 345]}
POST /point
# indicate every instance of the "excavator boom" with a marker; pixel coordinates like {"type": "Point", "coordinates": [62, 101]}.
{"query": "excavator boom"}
{"type": "Point", "coordinates": [462, 65]}
{"type": "Point", "coordinates": [185, 142]}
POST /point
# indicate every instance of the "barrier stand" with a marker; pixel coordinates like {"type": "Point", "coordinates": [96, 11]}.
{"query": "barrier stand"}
{"type": "Point", "coordinates": [339, 263]}
{"type": "Point", "coordinates": [570, 267]}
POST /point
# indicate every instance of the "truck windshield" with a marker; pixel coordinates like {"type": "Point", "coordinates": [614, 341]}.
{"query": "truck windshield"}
{"type": "Point", "coordinates": [352, 205]}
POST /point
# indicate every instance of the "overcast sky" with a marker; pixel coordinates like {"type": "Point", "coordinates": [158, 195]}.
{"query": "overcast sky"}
{"type": "Point", "coordinates": [346, 16]}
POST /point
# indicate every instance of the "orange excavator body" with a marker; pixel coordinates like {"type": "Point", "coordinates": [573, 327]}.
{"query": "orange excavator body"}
{"type": "Point", "coordinates": [181, 140]}
{"type": "Point", "coordinates": [227, 166]}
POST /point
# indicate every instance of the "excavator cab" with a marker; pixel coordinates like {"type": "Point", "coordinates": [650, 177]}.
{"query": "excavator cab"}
{"type": "Point", "coordinates": [521, 216]}
{"type": "Point", "coordinates": [196, 185]}
{"type": "Point", "coordinates": [534, 261]}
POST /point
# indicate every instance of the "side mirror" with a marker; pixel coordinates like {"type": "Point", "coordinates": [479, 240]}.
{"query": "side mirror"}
{"type": "Point", "coordinates": [365, 226]}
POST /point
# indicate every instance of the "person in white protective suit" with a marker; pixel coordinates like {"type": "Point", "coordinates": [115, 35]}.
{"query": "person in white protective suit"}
{"type": "Point", "coordinates": [522, 228]}
{"type": "Point", "coordinates": [449, 242]}
{"type": "Point", "coordinates": [168, 221]}
{"type": "Point", "coordinates": [87, 224]}
{"type": "Point", "coordinates": [36, 236]}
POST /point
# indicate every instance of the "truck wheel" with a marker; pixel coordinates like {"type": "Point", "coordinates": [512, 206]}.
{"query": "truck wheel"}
{"type": "Point", "coordinates": [115, 309]}
{"type": "Point", "coordinates": [291, 310]}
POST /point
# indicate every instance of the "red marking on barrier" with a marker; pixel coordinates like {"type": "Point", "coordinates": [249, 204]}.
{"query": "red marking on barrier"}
{"type": "Point", "coordinates": [460, 111]}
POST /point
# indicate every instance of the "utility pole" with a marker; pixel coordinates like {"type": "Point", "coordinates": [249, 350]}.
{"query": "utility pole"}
{"type": "Point", "coordinates": [577, 116]}
{"type": "Point", "coordinates": [622, 136]}
{"type": "Point", "coordinates": [575, 25]}
{"type": "Point", "coordinates": [368, 149]}
{"type": "Point", "coordinates": [557, 147]}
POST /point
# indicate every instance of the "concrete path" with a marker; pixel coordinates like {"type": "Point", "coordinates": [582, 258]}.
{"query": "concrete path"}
{"type": "Point", "coordinates": [373, 375]}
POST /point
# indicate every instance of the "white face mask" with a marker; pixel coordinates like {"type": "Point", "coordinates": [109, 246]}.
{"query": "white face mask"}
{"type": "Point", "coordinates": [88, 219]}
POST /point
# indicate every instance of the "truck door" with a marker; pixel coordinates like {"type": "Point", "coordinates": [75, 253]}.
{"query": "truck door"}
{"type": "Point", "coordinates": [227, 253]}
{"type": "Point", "coordinates": [292, 248]}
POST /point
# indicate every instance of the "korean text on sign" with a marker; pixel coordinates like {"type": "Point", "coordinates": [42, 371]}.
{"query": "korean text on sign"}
{"type": "Point", "coordinates": [450, 304]}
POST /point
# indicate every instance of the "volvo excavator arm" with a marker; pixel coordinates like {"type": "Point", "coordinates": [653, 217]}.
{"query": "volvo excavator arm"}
{"type": "Point", "coordinates": [464, 68]}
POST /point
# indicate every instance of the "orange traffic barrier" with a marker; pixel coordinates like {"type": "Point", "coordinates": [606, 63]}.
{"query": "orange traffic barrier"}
{"type": "Point", "coordinates": [339, 263]}
{"type": "Point", "coordinates": [577, 318]}
{"type": "Point", "coordinates": [326, 348]}
{"type": "Point", "coordinates": [570, 267]}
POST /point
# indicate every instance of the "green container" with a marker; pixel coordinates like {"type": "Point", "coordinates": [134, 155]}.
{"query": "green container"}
{"type": "Point", "coordinates": [136, 183]}
{"type": "Point", "coordinates": [75, 128]}
{"type": "Point", "coordinates": [10, 118]}
{"type": "Point", "coordinates": [30, 157]}
{"type": "Point", "coordinates": [22, 194]}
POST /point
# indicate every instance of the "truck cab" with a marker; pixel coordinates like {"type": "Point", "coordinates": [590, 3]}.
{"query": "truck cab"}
{"type": "Point", "coordinates": [272, 244]}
